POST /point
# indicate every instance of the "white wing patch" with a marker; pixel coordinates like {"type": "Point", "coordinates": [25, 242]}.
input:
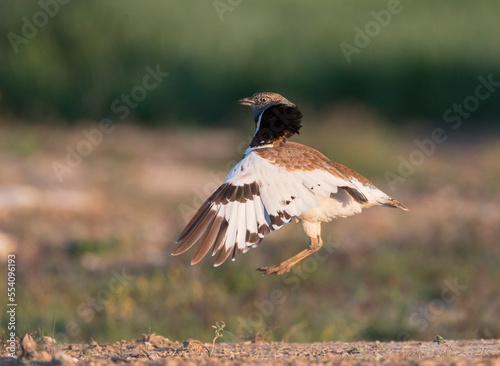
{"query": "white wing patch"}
{"type": "Point", "coordinates": [257, 198]}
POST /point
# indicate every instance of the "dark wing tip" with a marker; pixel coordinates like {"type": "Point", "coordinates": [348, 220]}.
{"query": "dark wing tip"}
{"type": "Point", "coordinates": [210, 228]}
{"type": "Point", "coordinates": [356, 195]}
{"type": "Point", "coordinates": [198, 225]}
{"type": "Point", "coordinates": [179, 250]}
{"type": "Point", "coordinates": [209, 239]}
{"type": "Point", "coordinates": [222, 255]}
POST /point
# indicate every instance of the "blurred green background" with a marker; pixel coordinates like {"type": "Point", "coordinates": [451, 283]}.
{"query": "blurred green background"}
{"type": "Point", "coordinates": [93, 242]}
{"type": "Point", "coordinates": [427, 57]}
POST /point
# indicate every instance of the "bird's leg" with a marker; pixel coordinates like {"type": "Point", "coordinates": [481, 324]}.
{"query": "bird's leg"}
{"type": "Point", "coordinates": [314, 245]}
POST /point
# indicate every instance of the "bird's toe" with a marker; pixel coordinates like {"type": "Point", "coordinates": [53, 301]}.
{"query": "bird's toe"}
{"type": "Point", "coordinates": [277, 270]}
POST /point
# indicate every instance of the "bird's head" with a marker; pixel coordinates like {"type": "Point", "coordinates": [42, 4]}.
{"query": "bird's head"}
{"type": "Point", "coordinates": [261, 101]}
{"type": "Point", "coordinates": [276, 118]}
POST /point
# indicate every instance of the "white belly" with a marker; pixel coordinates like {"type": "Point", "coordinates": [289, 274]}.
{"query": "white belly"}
{"type": "Point", "coordinates": [339, 204]}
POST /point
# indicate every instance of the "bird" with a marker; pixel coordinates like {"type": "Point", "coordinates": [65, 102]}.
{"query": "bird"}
{"type": "Point", "coordinates": [277, 181]}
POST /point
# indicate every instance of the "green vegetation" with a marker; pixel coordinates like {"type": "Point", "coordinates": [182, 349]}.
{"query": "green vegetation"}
{"type": "Point", "coordinates": [425, 59]}
{"type": "Point", "coordinates": [439, 340]}
{"type": "Point", "coordinates": [356, 350]}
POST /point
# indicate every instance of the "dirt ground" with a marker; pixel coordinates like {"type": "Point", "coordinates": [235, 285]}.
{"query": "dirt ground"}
{"type": "Point", "coordinates": [156, 350]}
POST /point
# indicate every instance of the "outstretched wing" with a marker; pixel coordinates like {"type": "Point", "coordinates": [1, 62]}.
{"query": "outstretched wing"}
{"type": "Point", "coordinates": [257, 198]}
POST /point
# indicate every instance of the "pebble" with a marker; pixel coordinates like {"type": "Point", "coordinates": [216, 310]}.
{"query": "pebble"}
{"type": "Point", "coordinates": [61, 358]}
{"type": "Point", "coordinates": [28, 346]}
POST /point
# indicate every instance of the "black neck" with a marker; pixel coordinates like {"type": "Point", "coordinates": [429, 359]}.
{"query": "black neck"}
{"type": "Point", "coordinates": [277, 123]}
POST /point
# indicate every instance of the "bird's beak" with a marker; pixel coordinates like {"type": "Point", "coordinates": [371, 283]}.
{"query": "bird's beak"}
{"type": "Point", "coordinates": [246, 101]}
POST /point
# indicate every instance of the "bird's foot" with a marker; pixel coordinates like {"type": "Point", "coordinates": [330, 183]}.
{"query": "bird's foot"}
{"type": "Point", "coordinates": [277, 270]}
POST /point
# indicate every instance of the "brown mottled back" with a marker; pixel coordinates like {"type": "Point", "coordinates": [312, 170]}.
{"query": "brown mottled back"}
{"type": "Point", "coordinates": [295, 156]}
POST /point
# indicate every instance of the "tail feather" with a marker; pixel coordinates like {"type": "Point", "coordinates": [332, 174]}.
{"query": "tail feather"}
{"type": "Point", "coordinates": [396, 204]}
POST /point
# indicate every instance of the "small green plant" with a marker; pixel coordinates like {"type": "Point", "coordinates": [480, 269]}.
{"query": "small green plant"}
{"type": "Point", "coordinates": [85, 351]}
{"type": "Point", "coordinates": [218, 329]}
{"type": "Point", "coordinates": [439, 339]}
{"type": "Point", "coordinates": [356, 350]}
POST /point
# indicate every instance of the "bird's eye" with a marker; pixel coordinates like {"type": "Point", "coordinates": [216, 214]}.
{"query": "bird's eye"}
{"type": "Point", "coordinates": [263, 100]}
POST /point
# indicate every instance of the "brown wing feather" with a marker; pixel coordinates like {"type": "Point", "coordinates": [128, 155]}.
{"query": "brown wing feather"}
{"type": "Point", "coordinates": [195, 221]}
{"type": "Point", "coordinates": [222, 255]}
{"type": "Point", "coordinates": [192, 236]}
{"type": "Point", "coordinates": [211, 228]}
{"type": "Point", "coordinates": [199, 222]}
{"type": "Point", "coordinates": [208, 240]}
{"type": "Point", "coordinates": [219, 242]}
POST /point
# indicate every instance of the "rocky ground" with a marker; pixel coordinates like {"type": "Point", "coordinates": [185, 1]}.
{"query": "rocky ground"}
{"type": "Point", "coordinates": [153, 349]}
